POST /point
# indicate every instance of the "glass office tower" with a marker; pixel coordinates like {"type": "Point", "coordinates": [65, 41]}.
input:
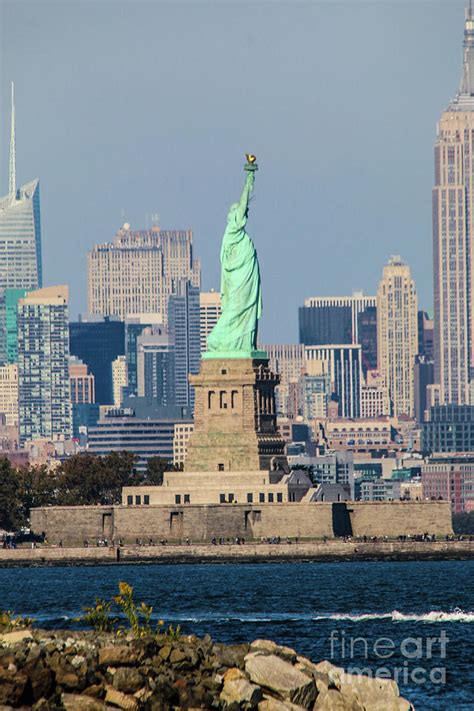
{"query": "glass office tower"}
{"type": "Point", "coordinates": [20, 239]}
{"type": "Point", "coordinates": [43, 359]}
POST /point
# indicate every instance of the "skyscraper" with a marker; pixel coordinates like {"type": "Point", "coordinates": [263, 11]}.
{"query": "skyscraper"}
{"type": "Point", "coordinates": [43, 373]}
{"type": "Point", "coordinates": [337, 320]}
{"type": "Point", "coordinates": [453, 235]}
{"type": "Point", "coordinates": [397, 334]}
{"type": "Point", "coordinates": [137, 272]}
{"type": "Point", "coordinates": [184, 331]}
{"type": "Point", "coordinates": [20, 229]}
{"type": "Point", "coordinates": [134, 327]}
{"type": "Point", "coordinates": [343, 364]}
{"type": "Point", "coordinates": [155, 366]}
{"type": "Point", "coordinates": [98, 341]}
{"type": "Point", "coordinates": [9, 393]}
{"type": "Point", "coordinates": [81, 382]}
{"type": "Point", "coordinates": [210, 308]}
{"type": "Point", "coordinates": [119, 378]}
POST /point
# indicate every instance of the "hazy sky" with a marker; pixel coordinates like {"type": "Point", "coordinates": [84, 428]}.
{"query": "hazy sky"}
{"type": "Point", "coordinates": [127, 109]}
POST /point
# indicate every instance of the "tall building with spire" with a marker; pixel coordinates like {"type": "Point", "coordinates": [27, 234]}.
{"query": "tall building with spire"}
{"type": "Point", "coordinates": [20, 228]}
{"type": "Point", "coordinates": [453, 236]}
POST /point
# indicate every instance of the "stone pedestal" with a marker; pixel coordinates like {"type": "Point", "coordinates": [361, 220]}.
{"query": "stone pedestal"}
{"type": "Point", "coordinates": [234, 417]}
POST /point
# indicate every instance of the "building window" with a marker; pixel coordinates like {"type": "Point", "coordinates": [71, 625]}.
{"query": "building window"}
{"type": "Point", "coordinates": [177, 499]}
{"type": "Point", "coordinates": [279, 498]}
{"type": "Point", "coordinates": [261, 498]}
{"type": "Point", "coordinates": [249, 498]}
{"type": "Point", "coordinates": [187, 499]}
{"type": "Point", "coordinates": [233, 398]}
{"type": "Point", "coordinates": [231, 498]}
{"type": "Point", "coordinates": [138, 500]}
{"type": "Point", "coordinates": [223, 400]}
{"type": "Point", "coordinates": [223, 371]}
{"type": "Point", "coordinates": [270, 498]}
{"type": "Point", "coordinates": [222, 498]}
{"type": "Point", "coordinates": [146, 499]}
{"type": "Point", "coordinates": [210, 396]}
{"type": "Point", "coordinates": [129, 500]}
{"type": "Point", "coordinates": [220, 467]}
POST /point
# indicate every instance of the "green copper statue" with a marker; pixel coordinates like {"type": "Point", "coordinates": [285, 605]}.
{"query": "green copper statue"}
{"type": "Point", "coordinates": [235, 334]}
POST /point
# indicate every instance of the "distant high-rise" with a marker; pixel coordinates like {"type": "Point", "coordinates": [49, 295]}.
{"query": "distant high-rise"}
{"type": "Point", "coordinates": [98, 341]}
{"type": "Point", "coordinates": [155, 366]}
{"type": "Point", "coordinates": [184, 331]}
{"type": "Point", "coordinates": [119, 378]}
{"type": "Point", "coordinates": [453, 236]}
{"type": "Point", "coordinates": [287, 360]}
{"type": "Point", "coordinates": [81, 382]}
{"type": "Point", "coordinates": [8, 324]}
{"type": "Point", "coordinates": [43, 374]}
{"type": "Point", "coordinates": [134, 327]}
{"type": "Point", "coordinates": [337, 320]}
{"type": "Point", "coordinates": [397, 334]}
{"type": "Point", "coordinates": [139, 270]}
{"type": "Point", "coordinates": [20, 229]}
{"type": "Point", "coordinates": [9, 393]}
{"type": "Point", "coordinates": [210, 308]}
{"type": "Point", "coordinates": [343, 365]}
{"type": "Point", "coordinates": [425, 336]}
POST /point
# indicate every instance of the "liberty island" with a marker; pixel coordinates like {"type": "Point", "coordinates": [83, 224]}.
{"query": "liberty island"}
{"type": "Point", "coordinates": [236, 480]}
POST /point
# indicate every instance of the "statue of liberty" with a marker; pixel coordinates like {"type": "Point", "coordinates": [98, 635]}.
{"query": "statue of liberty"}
{"type": "Point", "coordinates": [235, 334]}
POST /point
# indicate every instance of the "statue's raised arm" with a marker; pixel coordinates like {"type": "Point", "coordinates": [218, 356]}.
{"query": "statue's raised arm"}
{"type": "Point", "coordinates": [235, 334]}
{"type": "Point", "coordinates": [243, 204]}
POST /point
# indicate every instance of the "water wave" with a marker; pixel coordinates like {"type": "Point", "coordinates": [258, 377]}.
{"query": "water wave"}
{"type": "Point", "coordinates": [456, 615]}
{"type": "Point", "coordinates": [201, 617]}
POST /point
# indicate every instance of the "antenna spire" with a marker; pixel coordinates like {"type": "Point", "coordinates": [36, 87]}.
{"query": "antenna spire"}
{"type": "Point", "coordinates": [12, 166]}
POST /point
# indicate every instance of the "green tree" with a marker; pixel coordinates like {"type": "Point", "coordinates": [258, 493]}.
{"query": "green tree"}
{"type": "Point", "coordinates": [156, 467]}
{"type": "Point", "coordinates": [11, 518]}
{"type": "Point", "coordinates": [38, 486]}
{"type": "Point", "coordinates": [89, 479]}
{"type": "Point", "coordinates": [464, 523]}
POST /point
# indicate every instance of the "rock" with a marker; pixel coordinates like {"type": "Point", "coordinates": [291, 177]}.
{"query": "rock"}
{"type": "Point", "coordinates": [279, 676]}
{"type": "Point", "coordinates": [77, 660]}
{"type": "Point", "coordinates": [333, 700]}
{"type": "Point", "coordinates": [238, 690]}
{"type": "Point", "coordinates": [128, 680]}
{"type": "Point", "coordinates": [267, 646]}
{"type": "Point", "coordinates": [232, 655]}
{"type": "Point", "coordinates": [322, 681]}
{"type": "Point", "coordinates": [78, 702]}
{"type": "Point", "coordinates": [67, 679]}
{"type": "Point", "coordinates": [41, 680]}
{"type": "Point", "coordinates": [94, 690]}
{"type": "Point", "coordinates": [363, 692]}
{"type": "Point", "coordinates": [269, 703]}
{"type": "Point", "coordinates": [117, 655]}
{"type": "Point", "coordinates": [15, 636]}
{"type": "Point", "coordinates": [12, 686]}
{"type": "Point", "coordinates": [177, 656]}
{"type": "Point", "coordinates": [123, 701]}
{"type": "Point", "coordinates": [165, 652]}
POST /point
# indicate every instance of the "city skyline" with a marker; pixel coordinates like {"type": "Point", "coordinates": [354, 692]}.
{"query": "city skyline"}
{"type": "Point", "coordinates": [316, 211]}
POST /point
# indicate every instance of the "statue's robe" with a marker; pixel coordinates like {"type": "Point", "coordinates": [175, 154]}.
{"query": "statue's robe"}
{"type": "Point", "coordinates": [241, 295]}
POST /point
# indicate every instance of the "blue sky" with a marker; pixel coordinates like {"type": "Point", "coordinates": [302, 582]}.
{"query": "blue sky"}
{"type": "Point", "coordinates": [127, 109]}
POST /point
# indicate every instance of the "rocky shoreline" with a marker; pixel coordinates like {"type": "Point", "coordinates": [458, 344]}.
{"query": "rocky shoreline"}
{"type": "Point", "coordinates": [331, 550]}
{"type": "Point", "coordinates": [92, 671]}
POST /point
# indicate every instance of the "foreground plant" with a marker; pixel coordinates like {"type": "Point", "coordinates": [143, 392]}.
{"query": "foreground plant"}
{"type": "Point", "coordinates": [9, 621]}
{"type": "Point", "coordinates": [101, 616]}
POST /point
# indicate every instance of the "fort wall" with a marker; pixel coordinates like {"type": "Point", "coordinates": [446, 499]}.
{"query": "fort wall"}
{"type": "Point", "coordinates": [74, 524]}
